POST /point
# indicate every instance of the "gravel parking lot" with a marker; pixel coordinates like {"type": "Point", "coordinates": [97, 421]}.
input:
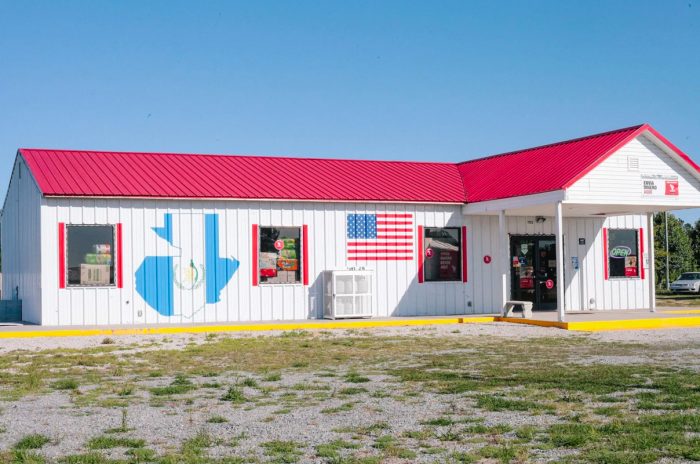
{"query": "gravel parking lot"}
{"type": "Point", "coordinates": [454, 393]}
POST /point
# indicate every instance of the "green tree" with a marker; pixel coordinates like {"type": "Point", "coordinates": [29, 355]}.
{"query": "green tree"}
{"type": "Point", "coordinates": [680, 248]}
{"type": "Point", "coordinates": [694, 234]}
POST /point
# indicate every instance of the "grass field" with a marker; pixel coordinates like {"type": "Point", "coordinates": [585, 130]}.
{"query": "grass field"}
{"type": "Point", "coordinates": [679, 300]}
{"type": "Point", "coordinates": [449, 394]}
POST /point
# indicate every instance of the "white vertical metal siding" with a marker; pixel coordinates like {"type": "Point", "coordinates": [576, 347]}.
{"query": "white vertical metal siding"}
{"type": "Point", "coordinates": [21, 242]}
{"type": "Point", "coordinates": [582, 285]}
{"type": "Point", "coordinates": [397, 292]}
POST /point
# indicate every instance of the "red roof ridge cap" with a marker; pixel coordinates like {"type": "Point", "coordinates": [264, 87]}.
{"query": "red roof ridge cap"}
{"type": "Point", "coordinates": [563, 142]}
{"type": "Point", "coordinates": [233, 155]}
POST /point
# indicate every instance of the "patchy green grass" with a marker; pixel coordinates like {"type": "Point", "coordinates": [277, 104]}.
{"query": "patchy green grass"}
{"type": "Point", "coordinates": [112, 441]}
{"type": "Point", "coordinates": [33, 441]}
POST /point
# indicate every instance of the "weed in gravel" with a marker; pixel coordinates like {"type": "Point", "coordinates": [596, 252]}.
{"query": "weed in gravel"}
{"type": "Point", "coordinates": [282, 451]}
{"type": "Point", "coordinates": [505, 453]}
{"type": "Point", "coordinates": [65, 384]}
{"type": "Point", "coordinates": [234, 395]}
{"type": "Point", "coordinates": [87, 458]}
{"type": "Point", "coordinates": [342, 408]}
{"type": "Point", "coordinates": [110, 441]}
{"type": "Point", "coordinates": [272, 377]}
{"type": "Point", "coordinates": [354, 377]}
{"type": "Point", "coordinates": [390, 446]}
{"type": "Point", "coordinates": [217, 420]}
{"type": "Point", "coordinates": [352, 391]}
{"type": "Point", "coordinates": [108, 341]}
{"type": "Point", "coordinates": [196, 444]}
{"type": "Point", "coordinates": [526, 432]}
{"type": "Point", "coordinates": [461, 457]}
{"type": "Point", "coordinates": [440, 422]}
{"type": "Point", "coordinates": [138, 455]}
{"type": "Point", "coordinates": [21, 457]}
{"type": "Point", "coordinates": [449, 435]}
{"type": "Point", "coordinates": [332, 449]}
{"type": "Point", "coordinates": [33, 441]}
{"type": "Point", "coordinates": [181, 384]}
{"type": "Point", "coordinates": [499, 403]}
{"type": "Point", "coordinates": [249, 382]}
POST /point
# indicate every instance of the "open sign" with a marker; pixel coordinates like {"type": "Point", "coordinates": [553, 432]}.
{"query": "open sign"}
{"type": "Point", "coordinates": [620, 251]}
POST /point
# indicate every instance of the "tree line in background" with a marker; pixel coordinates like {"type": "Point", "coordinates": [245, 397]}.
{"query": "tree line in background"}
{"type": "Point", "coordinates": [683, 247]}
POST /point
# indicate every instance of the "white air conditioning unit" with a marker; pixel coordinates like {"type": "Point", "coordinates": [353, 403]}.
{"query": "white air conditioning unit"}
{"type": "Point", "coordinates": [347, 294]}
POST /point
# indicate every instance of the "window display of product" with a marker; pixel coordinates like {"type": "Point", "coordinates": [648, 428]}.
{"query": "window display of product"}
{"type": "Point", "coordinates": [279, 256]}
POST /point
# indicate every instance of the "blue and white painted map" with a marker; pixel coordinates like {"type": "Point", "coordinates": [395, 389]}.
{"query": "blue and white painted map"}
{"type": "Point", "coordinates": [185, 271]}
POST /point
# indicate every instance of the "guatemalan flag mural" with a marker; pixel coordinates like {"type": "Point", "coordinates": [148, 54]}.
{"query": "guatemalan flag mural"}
{"type": "Point", "coordinates": [185, 272]}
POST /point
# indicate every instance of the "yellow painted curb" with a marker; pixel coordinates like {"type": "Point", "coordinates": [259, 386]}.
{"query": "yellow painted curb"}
{"type": "Point", "coordinates": [517, 320]}
{"type": "Point", "coordinates": [636, 324]}
{"type": "Point", "coordinates": [681, 311]}
{"type": "Point", "coordinates": [354, 324]}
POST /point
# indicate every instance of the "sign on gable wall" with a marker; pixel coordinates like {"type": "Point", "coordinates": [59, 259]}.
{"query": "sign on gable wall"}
{"type": "Point", "coordinates": [659, 185]}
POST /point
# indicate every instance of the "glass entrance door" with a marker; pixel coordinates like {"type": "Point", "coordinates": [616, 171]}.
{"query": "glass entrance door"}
{"type": "Point", "coordinates": [533, 273]}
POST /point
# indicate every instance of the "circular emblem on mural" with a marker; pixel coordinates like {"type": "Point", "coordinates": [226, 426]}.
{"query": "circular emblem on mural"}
{"type": "Point", "coordinates": [188, 278]}
{"type": "Point", "coordinates": [549, 284]}
{"type": "Point", "coordinates": [429, 253]}
{"type": "Point", "coordinates": [487, 259]}
{"type": "Point", "coordinates": [279, 244]}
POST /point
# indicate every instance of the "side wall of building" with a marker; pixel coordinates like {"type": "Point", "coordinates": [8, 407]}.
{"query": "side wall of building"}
{"type": "Point", "coordinates": [20, 231]}
{"type": "Point", "coordinates": [396, 290]}
{"type": "Point", "coordinates": [586, 287]}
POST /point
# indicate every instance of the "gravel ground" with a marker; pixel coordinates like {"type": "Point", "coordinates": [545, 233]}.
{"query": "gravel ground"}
{"type": "Point", "coordinates": [303, 419]}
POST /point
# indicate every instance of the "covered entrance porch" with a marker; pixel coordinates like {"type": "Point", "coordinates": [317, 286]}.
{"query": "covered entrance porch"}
{"type": "Point", "coordinates": [571, 257]}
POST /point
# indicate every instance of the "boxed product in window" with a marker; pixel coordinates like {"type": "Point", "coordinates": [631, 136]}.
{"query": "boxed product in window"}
{"type": "Point", "coordinates": [287, 277]}
{"type": "Point", "coordinates": [98, 258]}
{"type": "Point", "coordinates": [289, 243]}
{"type": "Point", "coordinates": [286, 253]}
{"type": "Point", "coordinates": [268, 260]}
{"type": "Point", "coordinates": [286, 264]}
{"type": "Point", "coordinates": [94, 274]}
{"type": "Point", "coordinates": [102, 248]}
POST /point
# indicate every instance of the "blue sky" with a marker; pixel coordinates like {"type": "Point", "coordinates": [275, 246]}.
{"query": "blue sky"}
{"type": "Point", "coordinates": [407, 80]}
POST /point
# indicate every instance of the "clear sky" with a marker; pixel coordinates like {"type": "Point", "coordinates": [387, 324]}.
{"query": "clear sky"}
{"type": "Point", "coordinates": [432, 80]}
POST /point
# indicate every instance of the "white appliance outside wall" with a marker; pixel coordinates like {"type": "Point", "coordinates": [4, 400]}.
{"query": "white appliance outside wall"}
{"type": "Point", "coordinates": [347, 294]}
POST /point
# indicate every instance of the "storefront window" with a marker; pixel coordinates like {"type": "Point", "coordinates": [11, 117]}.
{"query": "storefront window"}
{"type": "Point", "coordinates": [90, 251]}
{"type": "Point", "coordinates": [442, 254]}
{"type": "Point", "coordinates": [623, 253]}
{"type": "Point", "coordinates": [280, 255]}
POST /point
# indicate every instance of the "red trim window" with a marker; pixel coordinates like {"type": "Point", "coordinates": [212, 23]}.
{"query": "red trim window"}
{"type": "Point", "coordinates": [623, 253]}
{"type": "Point", "coordinates": [442, 254]}
{"type": "Point", "coordinates": [120, 260]}
{"type": "Point", "coordinates": [305, 254]}
{"type": "Point", "coordinates": [420, 254]}
{"type": "Point", "coordinates": [605, 252]}
{"type": "Point", "coordinates": [254, 254]}
{"type": "Point", "coordinates": [465, 277]}
{"type": "Point", "coordinates": [89, 255]}
{"type": "Point", "coordinates": [280, 255]}
{"type": "Point", "coordinates": [641, 253]}
{"type": "Point", "coordinates": [61, 255]}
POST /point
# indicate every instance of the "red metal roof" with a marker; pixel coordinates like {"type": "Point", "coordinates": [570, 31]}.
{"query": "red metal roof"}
{"type": "Point", "coordinates": [540, 169]}
{"type": "Point", "coordinates": [166, 175]}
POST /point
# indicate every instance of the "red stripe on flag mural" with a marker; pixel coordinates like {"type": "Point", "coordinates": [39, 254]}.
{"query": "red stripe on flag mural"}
{"type": "Point", "coordinates": [397, 244]}
{"type": "Point", "coordinates": [383, 250]}
{"type": "Point", "coordinates": [380, 258]}
{"type": "Point", "coordinates": [394, 223]}
{"type": "Point", "coordinates": [392, 215]}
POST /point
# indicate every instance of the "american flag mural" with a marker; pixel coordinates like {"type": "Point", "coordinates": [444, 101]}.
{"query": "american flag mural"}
{"type": "Point", "coordinates": [380, 237]}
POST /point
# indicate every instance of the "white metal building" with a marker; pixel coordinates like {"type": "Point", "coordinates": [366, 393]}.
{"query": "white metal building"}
{"type": "Point", "coordinates": [136, 238]}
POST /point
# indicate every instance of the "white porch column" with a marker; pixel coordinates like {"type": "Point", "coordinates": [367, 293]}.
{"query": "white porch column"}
{"type": "Point", "coordinates": [559, 228]}
{"type": "Point", "coordinates": [652, 268]}
{"type": "Point", "coordinates": [503, 255]}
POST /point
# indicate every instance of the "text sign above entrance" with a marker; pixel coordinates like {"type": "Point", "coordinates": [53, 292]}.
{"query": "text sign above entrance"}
{"type": "Point", "coordinates": [659, 186]}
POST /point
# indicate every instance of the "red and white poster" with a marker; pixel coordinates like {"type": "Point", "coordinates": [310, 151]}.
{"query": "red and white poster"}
{"type": "Point", "coordinates": [672, 187]}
